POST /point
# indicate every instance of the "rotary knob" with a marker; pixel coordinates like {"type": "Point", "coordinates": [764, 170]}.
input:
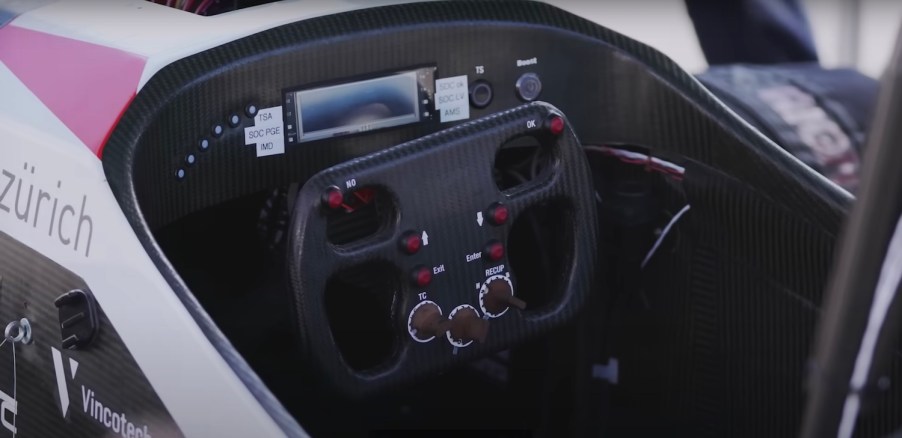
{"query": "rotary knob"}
{"type": "Point", "coordinates": [426, 322]}
{"type": "Point", "coordinates": [497, 295]}
{"type": "Point", "coordinates": [466, 326]}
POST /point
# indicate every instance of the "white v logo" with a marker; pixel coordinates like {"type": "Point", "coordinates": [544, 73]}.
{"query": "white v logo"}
{"type": "Point", "coordinates": [62, 388]}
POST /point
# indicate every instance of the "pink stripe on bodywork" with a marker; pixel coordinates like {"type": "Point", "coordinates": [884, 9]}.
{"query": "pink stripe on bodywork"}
{"type": "Point", "coordinates": [86, 85]}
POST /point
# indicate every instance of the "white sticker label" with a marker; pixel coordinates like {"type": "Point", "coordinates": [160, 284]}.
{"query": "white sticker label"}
{"type": "Point", "coordinates": [452, 98]}
{"type": "Point", "coordinates": [267, 134]}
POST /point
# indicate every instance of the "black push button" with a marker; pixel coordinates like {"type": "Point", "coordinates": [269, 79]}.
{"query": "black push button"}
{"type": "Point", "coordinates": [529, 86]}
{"type": "Point", "coordinates": [251, 110]}
{"type": "Point", "coordinates": [77, 317]}
{"type": "Point", "coordinates": [234, 120]}
{"type": "Point", "coordinates": [216, 130]}
{"type": "Point", "coordinates": [481, 94]}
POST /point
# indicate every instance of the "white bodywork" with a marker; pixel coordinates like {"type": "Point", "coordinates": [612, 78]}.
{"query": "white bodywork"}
{"type": "Point", "coordinates": [199, 389]}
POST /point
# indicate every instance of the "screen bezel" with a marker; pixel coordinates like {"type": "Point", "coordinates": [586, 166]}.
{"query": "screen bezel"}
{"type": "Point", "coordinates": [293, 117]}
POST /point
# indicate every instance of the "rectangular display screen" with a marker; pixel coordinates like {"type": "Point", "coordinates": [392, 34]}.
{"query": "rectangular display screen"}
{"type": "Point", "coordinates": [331, 111]}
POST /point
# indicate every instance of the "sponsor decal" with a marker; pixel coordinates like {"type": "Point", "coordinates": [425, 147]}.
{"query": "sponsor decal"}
{"type": "Point", "coordinates": [8, 405]}
{"type": "Point", "coordinates": [92, 405]}
{"type": "Point", "coordinates": [42, 209]}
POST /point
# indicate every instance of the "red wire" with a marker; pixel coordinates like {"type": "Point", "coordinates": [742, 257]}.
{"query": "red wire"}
{"type": "Point", "coordinates": [651, 166]}
{"type": "Point", "coordinates": [647, 161]}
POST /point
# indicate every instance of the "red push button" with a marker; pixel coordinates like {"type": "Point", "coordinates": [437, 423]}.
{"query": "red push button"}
{"type": "Point", "coordinates": [333, 198]}
{"type": "Point", "coordinates": [494, 251]}
{"type": "Point", "coordinates": [411, 242]}
{"type": "Point", "coordinates": [421, 276]}
{"type": "Point", "coordinates": [556, 124]}
{"type": "Point", "coordinates": [498, 214]}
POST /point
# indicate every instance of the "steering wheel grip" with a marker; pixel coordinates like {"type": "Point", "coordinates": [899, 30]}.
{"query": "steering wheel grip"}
{"type": "Point", "coordinates": [440, 184]}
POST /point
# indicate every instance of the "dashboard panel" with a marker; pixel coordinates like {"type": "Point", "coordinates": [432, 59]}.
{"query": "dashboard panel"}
{"type": "Point", "coordinates": [218, 150]}
{"type": "Point", "coordinates": [185, 103]}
